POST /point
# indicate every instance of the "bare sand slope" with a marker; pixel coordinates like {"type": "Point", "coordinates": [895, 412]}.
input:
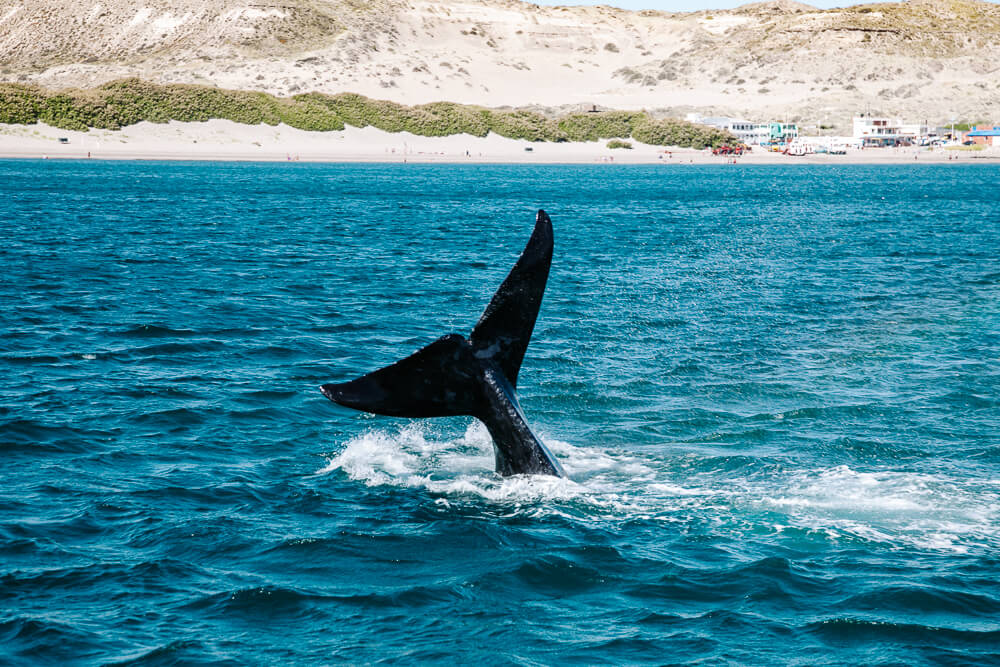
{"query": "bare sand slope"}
{"type": "Point", "coordinates": [923, 59]}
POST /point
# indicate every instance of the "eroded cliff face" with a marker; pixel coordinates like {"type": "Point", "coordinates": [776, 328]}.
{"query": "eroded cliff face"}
{"type": "Point", "coordinates": [924, 59]}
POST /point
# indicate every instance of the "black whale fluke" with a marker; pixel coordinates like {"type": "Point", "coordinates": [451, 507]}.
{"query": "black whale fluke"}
{"type": "Point", "coordinates": [476, 376]}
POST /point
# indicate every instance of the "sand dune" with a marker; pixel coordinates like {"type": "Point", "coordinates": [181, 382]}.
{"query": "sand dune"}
{"type": "Point", "coordinates": [933, 59]}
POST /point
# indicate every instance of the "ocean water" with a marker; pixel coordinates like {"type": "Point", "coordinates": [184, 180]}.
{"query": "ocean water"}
{"type": "Point", "coordinates": [775, 391]}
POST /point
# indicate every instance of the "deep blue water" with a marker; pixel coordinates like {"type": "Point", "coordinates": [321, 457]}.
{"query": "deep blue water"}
{"type": "Point", "coordinates": [775, 390]}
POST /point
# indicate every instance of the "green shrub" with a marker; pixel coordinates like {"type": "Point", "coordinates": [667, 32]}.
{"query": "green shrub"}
{"type": "Point", "coordinates": [360, 111]}
{"type": "Point", "coordinates": [125, 102]}
{"type": "Point", "coordinates": [308, 112]}
{"type": "Point", "coordinates": [70, 112]}
{"type": "Point", "coordinates": [20, 104]}
{"type": "Point", "coordinates": [669, 132]}
{"type": "Point", "coordinates": [602, 125]}
{"type": "Point", "coordinates": [447, 118]}
{"type": "Point", "coordinates": [526, 125]}
{"type": "Point", "coordinates": [617, 143]}
{"type": "Point", "coordinates": [189, 103]}
{"type": "Point", "coordinates": [437, 119]}
{"type": "Point", "coordinates": [965, 126]}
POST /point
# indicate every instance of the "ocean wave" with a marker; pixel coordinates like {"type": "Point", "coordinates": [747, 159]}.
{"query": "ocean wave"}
{"type": "Point", "coordinates": [169, 350]}
{"type": "Point", "coordinates": [155, 330]}
{"type": "Point", "coordinates": [865, 630]}
{"type": "Point", "coordinates": [463, 468]}
{"type": "Point", "coordinates": [987, 279]}
{"type": "Point", "coordinates": [554, 573]}
{"type": "Point", "coordinates": [745, 492]}
{"type": "Point", "coordinates": [42, 639]}
{"type": "Point", "coordinates": [173, 418]}
{"type": "Point", "coordinates": [768, 581]}
{"type": "Point", "coordinates": [261, 599]}
{"type": "Point", "coordinates": [36, 436]}
{"type": "Point", "coordinates": [158, 391]}
{"type": "Point", "coordinates": [178, 652]}
{"type": "Point", "coordinates": [271, 352]}
{"type": "Point", "coordinates": [28, 359]}
{"type": "Point", "coordinates": [925, 510]}
{"type": "Point", "coordinates": [158, 575]}
{"type": "Point", "coordinates": [269, 600]}
{"type": "Point", "coordinates": [780, 443]}
{"type": "Point", "coordinates": [927, 600]}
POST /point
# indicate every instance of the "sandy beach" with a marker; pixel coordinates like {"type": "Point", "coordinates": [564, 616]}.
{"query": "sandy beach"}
{"type": "Point", "coordinates": [226, 140]}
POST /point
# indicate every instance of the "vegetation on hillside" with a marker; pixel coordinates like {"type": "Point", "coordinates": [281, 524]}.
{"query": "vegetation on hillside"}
{"type": "Point", "coordinates": [965, 126]}
{"type": "Point", "coordinates": [128, 101]}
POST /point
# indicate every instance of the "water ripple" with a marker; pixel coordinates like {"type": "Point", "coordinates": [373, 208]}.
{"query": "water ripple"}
{"type": "Point", "coordinates": [774, 390]}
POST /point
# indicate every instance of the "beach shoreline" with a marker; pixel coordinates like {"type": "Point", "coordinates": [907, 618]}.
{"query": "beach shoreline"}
{"type": "Point", "coordinates": [226, 141]}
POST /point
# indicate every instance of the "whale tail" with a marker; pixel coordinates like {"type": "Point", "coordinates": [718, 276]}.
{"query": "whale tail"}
{"type": "Point", "coordinates": [444, 378]}
{"type": "Point", "coordinates": [477, 376]}
{"type": "Point", "coordinates": [504, 329]}
{"type": "Point", "coordinates": [439, 380]}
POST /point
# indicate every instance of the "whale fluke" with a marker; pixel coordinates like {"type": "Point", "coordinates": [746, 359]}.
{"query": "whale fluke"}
{"type": "Point", "coordinates": [455, 376]}
{"type": "Point", "coordinates": [505, 327]}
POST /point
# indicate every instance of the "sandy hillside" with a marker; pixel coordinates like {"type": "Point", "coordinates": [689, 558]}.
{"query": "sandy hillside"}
{"type": "Point", "coordinates": [924, 59]}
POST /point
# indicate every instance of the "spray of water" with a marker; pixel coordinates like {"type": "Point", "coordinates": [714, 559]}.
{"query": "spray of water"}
{"type": "Point", "coordinates": [888, 506]}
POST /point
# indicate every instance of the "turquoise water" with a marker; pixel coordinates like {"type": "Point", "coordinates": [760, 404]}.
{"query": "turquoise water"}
{"type": "Point", "coordinates": [775, 391]}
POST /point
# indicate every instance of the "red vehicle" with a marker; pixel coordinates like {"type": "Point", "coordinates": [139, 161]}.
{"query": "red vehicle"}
{"type": "Point", "coordinates": [731, 151]}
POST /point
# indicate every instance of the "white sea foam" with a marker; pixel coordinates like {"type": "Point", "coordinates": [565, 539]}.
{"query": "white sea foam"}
{"type": "Point", "coordinates": [889, 506]}
{"type": "Point", "coordinates": [463, 467]}
{"type": "Point", "coordinates": [926, 510]}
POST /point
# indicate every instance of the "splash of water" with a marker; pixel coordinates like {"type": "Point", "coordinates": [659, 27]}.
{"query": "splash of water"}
{"type": "Point", "coordinates": [888, 506]}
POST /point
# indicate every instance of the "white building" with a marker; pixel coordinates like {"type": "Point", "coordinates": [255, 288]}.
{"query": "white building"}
{"type": "Point", "coordinates": [881, 131]}
{"type": "Point", "coordinates": [750, 133]}
{"type": "Point", "coordinates": [825, 144]}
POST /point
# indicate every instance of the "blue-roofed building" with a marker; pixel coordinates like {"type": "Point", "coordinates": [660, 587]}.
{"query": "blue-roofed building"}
{"type": "Point", "coordinates": [985, 136]}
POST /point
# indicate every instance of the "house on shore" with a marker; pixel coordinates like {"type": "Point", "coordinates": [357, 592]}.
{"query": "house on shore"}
{"type": "Point", "coordinates": [872, 131]}
{"type": "Point", "coordinates": [750, 133]}
{"type": "Point", "coordinates": [984, 136]}
{"type": "Point", "coordinates": [783, 133]}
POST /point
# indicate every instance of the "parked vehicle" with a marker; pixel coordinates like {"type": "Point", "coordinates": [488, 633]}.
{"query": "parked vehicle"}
{"type": "Point", "coordinates": [736, 150]}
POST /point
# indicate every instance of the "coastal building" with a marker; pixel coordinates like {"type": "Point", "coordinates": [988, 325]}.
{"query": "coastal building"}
{"type": "Point", "coordinates": [881, 131]}
{"type": "Point", "coordinates": [752, 134]}
{"type": "Point", "coordinates": [803, 145]}
{"type": "Point", "coordinates": [749, 132]}
{"type": "Point", "coordinates": [782, 133]}
{"type": "Point", "coordinates": [984, 136]}
{"type": "Point", "coordinates": [876, 131]}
